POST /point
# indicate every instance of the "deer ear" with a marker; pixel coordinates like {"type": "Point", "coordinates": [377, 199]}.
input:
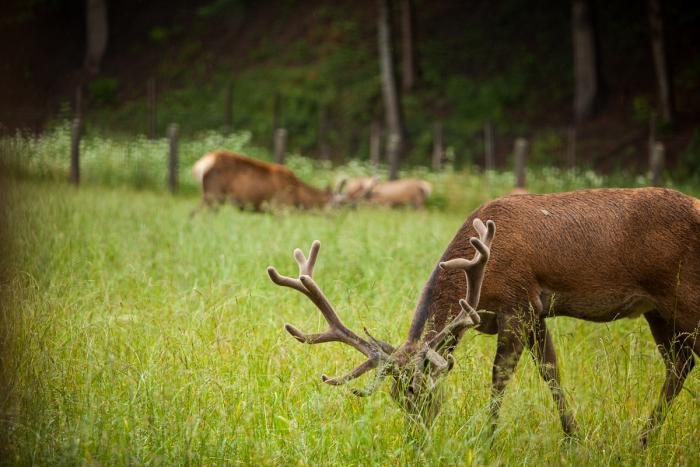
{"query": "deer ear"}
{"type": "Point", "coordinates": [340, 184]}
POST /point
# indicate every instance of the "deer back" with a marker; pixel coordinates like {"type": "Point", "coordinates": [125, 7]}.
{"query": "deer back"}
{"type": "Point", "coordinates": [401, 192]}
{"type": "Point", "coordinates": [227, 175]}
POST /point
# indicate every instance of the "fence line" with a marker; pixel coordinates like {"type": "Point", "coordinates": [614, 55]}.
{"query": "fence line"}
{"type": "Point", "coordinates": [152, 107]}
{"type": "Point", "coordinates": [172, 157]}
{"type": "Point", "coordinates": [280, 144]}
{"type": "Point", "coordinates": [520, 154]}
{"type": "Point", "coordinates": [75, 134]}
{"type": "Point", "coordinates": [657, 164]}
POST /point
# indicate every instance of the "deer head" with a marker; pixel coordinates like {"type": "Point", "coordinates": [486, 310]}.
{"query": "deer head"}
{"type": "Point", "coordinates": [419, 364]}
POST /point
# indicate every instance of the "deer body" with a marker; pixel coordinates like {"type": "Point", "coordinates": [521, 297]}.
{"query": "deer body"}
{"type": "Point", "coordinates": [596, 255]}
{"type": "Point", "coordinates": [355, 189]}
{"type": "Point", "coordinates": [227, 176]}
{"type": "Point", "coordinates": [405, 192]}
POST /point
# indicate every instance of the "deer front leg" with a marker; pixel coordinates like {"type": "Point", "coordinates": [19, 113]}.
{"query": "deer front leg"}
{"type": "Point", "coordinates": [508, 351]}
{"type": "Point", "coordinates": [678, 358]}
{"type": "Point", "coordinates": [545, 358]}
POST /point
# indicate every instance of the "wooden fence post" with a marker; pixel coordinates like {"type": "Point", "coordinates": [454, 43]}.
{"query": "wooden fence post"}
{"type": "Point", "coordinates": [228, 108]}
{"type": "Point", "coordinates": [657, 164]}
{"type": "Point", "coordinates": [75, 133]}
{"type": "Point", "coordinates": [652, 137]}
{"type": "Point", "coordinates": [489, 147]}
{"type": "Point", "coordinates": [78, 106]}
{"type": "Point", "coordinates": [152, 107]}
{"type": "Point", "coordinates": [172, 157]}
{"type": "Point", "coordinates": [276, 111]}
{"type": "Point", "coordinates": [571, 147]}
{"type": "Point", "coordinates": [520, 152]}
{"type": "Point", "coordinates": [280, 144]}
{"type": "Point", "coordinates": [392, 155]}
{"type": "Point", "coordinates": [375, 143]}
{"type": "Point", "coordinates": [438, 151]}
{"type": "Point", "coordinates": [323, 146]}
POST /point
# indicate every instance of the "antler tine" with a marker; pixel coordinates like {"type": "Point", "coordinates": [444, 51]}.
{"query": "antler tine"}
{"type": "Point", "coordinates": [336, 327]}
{"type": "Point", "coordinates": [375, 383]}
{"type": "Point", "coordinates": [306, 266]}
{"type": "Point", "coordinates": [477, 264]}
{"type": "Point", "coordinates": [359, 370]}
{"type": "Point", "coordinates": [474, 271]}
{"type": "Point", "coordinates": [448, 336]}
{"type": "Point", "coordinates": [375, 350]}
{"type": "Point", "coordinates": [286, 281]}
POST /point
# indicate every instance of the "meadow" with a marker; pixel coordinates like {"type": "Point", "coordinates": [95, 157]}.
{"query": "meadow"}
{"type": "Point", "coordinates": [132, 334]}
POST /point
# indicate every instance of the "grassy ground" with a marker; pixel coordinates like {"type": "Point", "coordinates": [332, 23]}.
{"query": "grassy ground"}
{"type": "Point", "coordinates": [133, 334]}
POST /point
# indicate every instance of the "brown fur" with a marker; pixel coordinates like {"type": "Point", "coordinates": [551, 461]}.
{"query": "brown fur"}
{"type": "Point", "coordinates": [356, 189]}
{"type": "Point", "coordinates": [597, 255]}
{"type": "Point", "coordinates": [395, 193]}
{"type": "Point", "coordinates": [250, 182]}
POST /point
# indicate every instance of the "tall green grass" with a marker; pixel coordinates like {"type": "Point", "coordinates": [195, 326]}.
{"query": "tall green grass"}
{"type": "Point", "coordinates": [134, 335]}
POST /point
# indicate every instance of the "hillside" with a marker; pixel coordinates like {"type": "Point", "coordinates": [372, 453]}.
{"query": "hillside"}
{"type": "Point", "coordinates": [508, 62]}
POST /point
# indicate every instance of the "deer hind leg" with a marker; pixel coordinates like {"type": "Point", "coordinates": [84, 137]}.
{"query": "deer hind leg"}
{"type": "Point", "coordinates": [545, 357]}
{"type": "Point", "coordinates": [678, 358]}
{"type": "Point", "coordinates": [207, 202]}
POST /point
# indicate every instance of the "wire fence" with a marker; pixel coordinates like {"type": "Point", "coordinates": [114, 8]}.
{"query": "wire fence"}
{"type": "Point", "coordinates": [164, 151]}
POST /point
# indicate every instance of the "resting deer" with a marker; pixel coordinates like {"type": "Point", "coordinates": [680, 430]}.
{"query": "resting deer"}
{"type": "Point", "coordinates": [394, 193]}
{"type": "Point", "coordinates": [597, 255]}
{"type": "Point", "coordinates": [355, 189]}
{"type": "Point", "coordinates": [227, 176]}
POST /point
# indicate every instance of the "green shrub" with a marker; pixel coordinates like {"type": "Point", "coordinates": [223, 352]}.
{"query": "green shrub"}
{"type": "Point", "coordinates": [103, 90]}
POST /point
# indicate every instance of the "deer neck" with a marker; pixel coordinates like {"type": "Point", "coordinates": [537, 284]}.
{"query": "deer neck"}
{"type": "Point", "coordinates": [438, 303]}
{"type": "Point", "coordinates": [425, 309]}
{"type": "Point", "coordinates": [313, 197]}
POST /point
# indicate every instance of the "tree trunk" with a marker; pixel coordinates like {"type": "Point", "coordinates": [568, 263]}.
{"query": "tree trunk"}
{"type": "Point", "coordinates": [438, 151]}
{"type": "Point", "coordinates": [96, 34]}
{"type": "Point", "coordinates": [375, 143]}
{"type": "Point", "coordinates": [587, 82]}
{"type": "Point", "coordinates": [658, 49]}
{"type": "Point", "coordinates": [323, 146]}
{"type": "Point", "coordinates": [396, 138]}
{"type": "Point", "coordinates": [410, 70]}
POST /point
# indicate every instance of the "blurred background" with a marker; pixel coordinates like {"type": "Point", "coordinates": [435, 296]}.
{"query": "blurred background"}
{"type": "Point", "coordinates": [590, 84]}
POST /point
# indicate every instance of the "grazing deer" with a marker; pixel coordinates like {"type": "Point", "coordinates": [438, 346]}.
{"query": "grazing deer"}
{"type": "Point", "coordinates": [227, 176]}
{"type": "Point", "coordinates": [407, 192]}
{"type": "Point", "coordinates": [597, 255]}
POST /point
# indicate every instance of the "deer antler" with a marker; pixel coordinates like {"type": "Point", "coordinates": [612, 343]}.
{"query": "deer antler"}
{"type": "Point", "coordinates": [375, 350]}
{"type": "Point", "coordinates": [474, 271]}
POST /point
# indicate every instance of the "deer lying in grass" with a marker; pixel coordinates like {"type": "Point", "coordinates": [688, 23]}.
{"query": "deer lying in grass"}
{"type": "Point", "coordinates": [246, 182]}
{"type": "Point", "coordinates": [406, 192]}
{"type": "Point", "coordinates": [355, 189]}
{"type": "Point", "coordinates": [597, 255]}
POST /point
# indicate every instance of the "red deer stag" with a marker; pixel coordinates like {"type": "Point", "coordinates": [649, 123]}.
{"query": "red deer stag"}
{"type": "Point", "coordinates": [227, 176]}
{"type": "Point", "coordinates": [597, 255]}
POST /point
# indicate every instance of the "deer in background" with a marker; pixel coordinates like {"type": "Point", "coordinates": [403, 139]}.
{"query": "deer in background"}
{"type": "Point", "coordinates": [405, 192]}
{"type": "Point", "coordinates": [597, 255]}
{"type": "Point", "coordinates": [227, 176]}
{"type": "Point", "coordinates": [355, 189]}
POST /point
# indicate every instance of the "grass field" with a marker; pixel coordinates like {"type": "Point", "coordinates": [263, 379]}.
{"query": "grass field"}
{"type": "Point", "coordinates": [134, 335]}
